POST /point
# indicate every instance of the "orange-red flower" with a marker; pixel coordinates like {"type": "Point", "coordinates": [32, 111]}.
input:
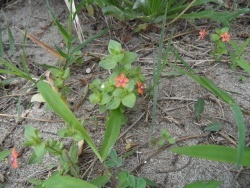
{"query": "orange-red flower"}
{"type": "Point", "coordinates": [140, 87]}
{"type": "Point", "coordinates": [13, 158]}
{"type": "Point", "coordinates": [225, 37]}
{"type": "Point", "coordinates": [121, 81]}
{"type": "Point", "coordinates": [202, 34]}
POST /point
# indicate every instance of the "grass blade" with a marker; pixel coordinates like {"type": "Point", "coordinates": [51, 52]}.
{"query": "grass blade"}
{"type": "Point", "coordinates": [58, 181]}
{"type": "Point", "coordinates": [241, 132]}
{"type": "Point", "coordinates": [207, 84]}
{"type": "Point", "coordinates": [64, 33]}
{"type": "Point", "coordinates": [89, 40]}
{"type": "Point", "coordinates": [11, 42]}
{"type": "Point", "coordinates": [113, 127]}
{"type": "Point", "coordinates": [13, 70]}
{"type": "Point", "coordinates": [44, 46]}
{"type": "Point", "coordinates": [215, 153]}
{"type": "Point", "coordinates": [205, 184]}
{"type": "Point", "coordinates": [57, 104]}
{"type": "Point", "coordinates": [4, 154]}
{"type": "Point", "coordinates": [1, 44]}
{"type": "Point", "coordinates": [157, 70]}
{"type": "Point", "coordinates": [24, 59]}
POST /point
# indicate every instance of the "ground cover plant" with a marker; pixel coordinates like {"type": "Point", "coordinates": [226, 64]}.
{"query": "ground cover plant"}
{"type": "Point", "coordinates": [122, 87]}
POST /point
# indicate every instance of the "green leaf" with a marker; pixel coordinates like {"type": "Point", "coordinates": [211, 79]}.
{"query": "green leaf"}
{"type": "Point", "coordinates": [105, 98]}
{"type": "Point", "coordinates": [31, 135]}
{"type": "Point", "coordinates": [58, 181]}
{"type": "Point", "coordinates": [66, 73]}
{"type": "Point", "coordinates": [110, 62]}
{"type": "Point", "coordinates": [150, 183]}
{"type": "Point", "coordinates": [114, 160]}
{"type": "Point", "coordinates": [114, 103]}
{"type": "Point", "coordinates": [100, 181]}
{"type": "Point", "coordinates": [129, 100]}
{"type": "Point", "coordinates": [119, 92]}
{"type": "Point", "coordinates": [4, 154]}
{"type": "Point", "coordinates": [123, 179]}
{"type": "Point", "coordinates": [225, 29]}
{"type": "Point", "coordinates": [63, 31]}
{"type": "Point", "coordinates": [141, 26]}
{"type": "Point", "coordinates": [58, 106]}
{"type": "Point", "coordinates": [90, 10]}
{"type": "Point", "coordinates": [129, 57]}
{"type": "Point", "coordinates": [40, 149]}
{"type": "Point", "coordinates": [35, 181]}
{"type": "Point", "coordinates": [1, 44]}
{"type": "Point", "coordinates": [35, 159]}
{"type": "Point", "coordinates": [68, 132]}
{"type": "Point", "coordinates": [95, 97]}
{"type": "Point", "coordinates": [216, 126]}
{"type": "Point", "coordinates": [114, 47]}
{"type": "Point", "coordinates": [241, 132]}
{"type": "Point", "coordinates": [244, 65]}
{"type": "Point", "coordinates": [89, 40]}
{"type": "Point", "coordinates": [140, 183]}
{"type": "Point", "coordinates": [11, 41]}
{"type": "Point", "coordinates": [112, 132]}
{"type": "Point", "coordinates": [131, 85]}
{"type": "Point", "coordinates": [215, 153]}
{"type": "Point", "coordinates": [95, 84]}
{"type": "Point", "coordinates": [131, 180]}
{"type": "Point", "coordinates": [199, 107]}
{"type": "Point", "coordinates": [204, 184]}
{"type": "Point", "coordinates": [215, 37]}
{"type": "Point", "coordinates": [13, 70]}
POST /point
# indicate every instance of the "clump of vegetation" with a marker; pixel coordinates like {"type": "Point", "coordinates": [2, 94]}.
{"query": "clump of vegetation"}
{"type": "Point", "coordinates": [124, 85]}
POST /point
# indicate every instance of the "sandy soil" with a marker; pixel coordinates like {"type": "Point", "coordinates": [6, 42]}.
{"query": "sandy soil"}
{"type": "Point", "coordinates": [177, 97]}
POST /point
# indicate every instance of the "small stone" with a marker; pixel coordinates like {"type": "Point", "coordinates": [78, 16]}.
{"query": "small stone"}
{"type": "Point", "coordinates": [88, 70]}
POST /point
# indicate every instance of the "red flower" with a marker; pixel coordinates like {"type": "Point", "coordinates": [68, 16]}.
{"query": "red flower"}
{"type": "Point", "coordinates": [13, 158]}
{"type": "Point", "coordinates": [202, 34]}
{"type": "Point", "coordinates": [121, 81]}
{"type": "Point", "coordinates": [225, 37]}
{"type": "Point", "coordinates": [140, 87]}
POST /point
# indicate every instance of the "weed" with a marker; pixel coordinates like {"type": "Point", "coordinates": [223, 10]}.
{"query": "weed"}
{"type": "Point", "coordinates": [120, 90]}
{"type": "Point", "coordinates": [220, 38]}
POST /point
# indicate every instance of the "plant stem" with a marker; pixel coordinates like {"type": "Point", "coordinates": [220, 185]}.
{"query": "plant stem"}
{"type": "Point", "coordinates": [71, 163]}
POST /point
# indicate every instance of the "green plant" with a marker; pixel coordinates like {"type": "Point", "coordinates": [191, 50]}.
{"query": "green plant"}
{"type": "Point", "coordinates": [204, 184]}
{"type": "Point", "coordinates": [117, 92]}
{"type": "Point", "coordinates": [199, 108]}
{"type": "Point", "coordinates": [126, 180]}
{"type": "Point", "coordinates": [153, 10]}
{"type": "Point", "coordinates": [237, 53]}
{"type": "Point", "coordinates": [215, 153]}
{"type": "Point", "coordinates": [237, 156]}
{"type": "Point", "coordinates": [114, 160]}
{"type": "Point", "coordinates": [209, 85]}
{"type": "Point", "coordinates": [219, 38]}
{"type": "Point", "coordinates": [119, 89]}
{"type": "Point", "coordinates": [165, 137]}
{"type": "Point", "coordinates": [67, 159]}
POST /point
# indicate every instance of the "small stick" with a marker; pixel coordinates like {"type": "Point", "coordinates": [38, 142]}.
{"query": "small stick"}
{"type": "Point", "coordinates": [34, 119]}
{"type": "Point", "coordinates": [131, 126]}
